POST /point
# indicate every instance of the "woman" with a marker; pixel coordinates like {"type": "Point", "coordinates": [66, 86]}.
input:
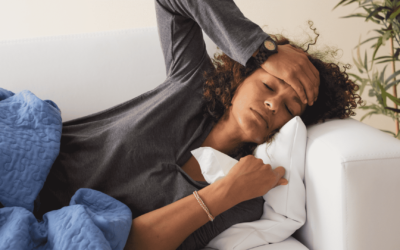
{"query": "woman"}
{"type": "Point", "coordinates": [139, 151]}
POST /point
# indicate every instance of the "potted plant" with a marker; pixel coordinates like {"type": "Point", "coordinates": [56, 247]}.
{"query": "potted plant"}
{"type": "Point", "coordinates": [386, 13]}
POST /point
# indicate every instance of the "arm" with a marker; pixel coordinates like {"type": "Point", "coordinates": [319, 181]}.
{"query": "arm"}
{"type": "Point", "coordinates": [180, 24]}
{"type": "Point", "coordinates": [167, 227]}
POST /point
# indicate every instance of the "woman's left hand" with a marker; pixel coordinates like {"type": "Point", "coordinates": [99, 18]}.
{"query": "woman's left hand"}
{"type": "Point", "coordinates": [293, 66]}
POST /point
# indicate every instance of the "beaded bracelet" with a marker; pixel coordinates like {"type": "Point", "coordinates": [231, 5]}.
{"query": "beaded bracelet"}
{"type": "Point", "coordinates": [203, 205]}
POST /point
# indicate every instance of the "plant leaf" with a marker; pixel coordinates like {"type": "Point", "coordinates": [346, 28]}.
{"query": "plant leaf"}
{"type": "Point", "coordinates": [356, 76]}
{"type": "Point", "coordinates": [396, 54]}
{"type": "Point", "coordinates": [368, 114]}
{"type": "Point", "coordinates": [389, 132]}
{"type": "Point", "coordinates": [391, 84]}
{"type": "Point", "coordinates": [362, 87]}
{"type": "Point", "coordinates": [394, 14]}
{"type": "Point", "coordinates": [369, 39]}
{"type": "Point", "coordinates": [371, 92]}
{"type": "Point", "coordinates": [351, 1]}
{"type": "Point", "coordinates": [392, 76]}
{"type": "Point", "coordinates": [384, 57]}
{"type": "Point", "coordinates": [355, 15]}
{"type": "Point", "coordinates": [378, 44]}
{"type": "Point", "coordinates": [367, 107]}
{"type": "Point", "coordinates": [359, 67]}
{"type": "Point", "coordinates": [385, 61]}
{"type": "Point", "coordinates": [394, 99]}
{"type": "Point", "coordinates": [386, 36]}
{"type": "Point", "coordinates": [374, 13]}
{"type": "Point", "coordinates": [340, 3]}
{"type": "Point", "coordinates": [379, 31]}
{"type": "Point", "coordinates": [359, 54]}
{"type": "Point", "coordinates": [381, 77]}
{"type": "Point", "coordinates": [383, 94]}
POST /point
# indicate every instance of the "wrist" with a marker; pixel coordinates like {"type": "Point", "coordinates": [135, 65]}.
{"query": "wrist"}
{"type": "Point", "coordinates": [219, 196]}
{"type": "Point", "coordinates": [255, 53]}
{"type": "Point", "coordinates": [266, 49]}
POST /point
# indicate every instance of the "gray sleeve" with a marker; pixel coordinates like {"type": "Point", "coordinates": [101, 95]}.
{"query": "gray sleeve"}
{"type": "Point", "coordinates": [246, 211]}
{"type": "Point", "coordinates": [180, 23]}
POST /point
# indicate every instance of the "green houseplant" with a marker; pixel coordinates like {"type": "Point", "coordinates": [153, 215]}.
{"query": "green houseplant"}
{"type": "Point", "coordinates": [386, 13]}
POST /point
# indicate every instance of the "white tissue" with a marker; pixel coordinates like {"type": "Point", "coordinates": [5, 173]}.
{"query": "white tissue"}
{"type": "Point", "coordinates": [213, 163]}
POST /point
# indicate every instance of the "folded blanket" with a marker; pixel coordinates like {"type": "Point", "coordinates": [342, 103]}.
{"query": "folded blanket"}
{"type": "Point", "coordinates": [30, 134]}
{"type": "Point", "coordinates": [93, 220]}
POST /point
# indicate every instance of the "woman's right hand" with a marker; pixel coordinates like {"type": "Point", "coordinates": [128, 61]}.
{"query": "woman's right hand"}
{"type": "Point", "coordinates": [251, 178]}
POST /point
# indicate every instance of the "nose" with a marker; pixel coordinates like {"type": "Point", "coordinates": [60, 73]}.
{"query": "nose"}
{"type": "Point", "coordinates": [272, 105]}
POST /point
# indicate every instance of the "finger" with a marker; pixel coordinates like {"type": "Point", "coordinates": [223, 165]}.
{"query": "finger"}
{"type": "Point", "coordinates": [315, 79]}
{"type": "Point", "coordinates": [299, 88]}
{"type": "Point", "coordinates": [314, 70]}
{"type": "Point", "coordinates": [311, 72]}
{"type": "Point", "coordinates": [312, 67]}
{"type": "Point", "coordinates": [280, 171]}
{"type": "Point", "coordinates": [308, 79]}
{"type": "Point", "coordinates": [282, 181]}
{"type": "Point", "coordinates": [309, 82]}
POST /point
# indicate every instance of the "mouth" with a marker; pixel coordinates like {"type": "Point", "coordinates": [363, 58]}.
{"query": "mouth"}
{"type": "Point", "coordinates": [261, 117]}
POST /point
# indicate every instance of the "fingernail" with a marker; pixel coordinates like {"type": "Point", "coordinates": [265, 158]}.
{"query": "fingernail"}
{"type": "Point", "coordinates": [305, 101]}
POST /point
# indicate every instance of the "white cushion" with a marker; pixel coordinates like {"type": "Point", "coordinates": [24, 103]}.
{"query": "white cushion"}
{"type": "Point", "coordinates": [284, 207]}
{"type": "Point", "coordinates": [96, 70]}
{"type": "Point", "coordinates": [288, 244]}
{"type": "Point", "coordinates": [352, 177]}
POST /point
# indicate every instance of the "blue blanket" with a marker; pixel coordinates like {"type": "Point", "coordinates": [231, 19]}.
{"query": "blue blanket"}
{"type": "Point", "coordinates": [30, 132]}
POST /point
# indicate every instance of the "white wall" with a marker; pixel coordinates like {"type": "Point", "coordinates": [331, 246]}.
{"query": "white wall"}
{"type": "Point", "coordinates": [26, 18]}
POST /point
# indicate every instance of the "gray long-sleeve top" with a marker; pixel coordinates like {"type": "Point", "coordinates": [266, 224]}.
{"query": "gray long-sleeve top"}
{"type": "Point", "coordinates": [134, 151]}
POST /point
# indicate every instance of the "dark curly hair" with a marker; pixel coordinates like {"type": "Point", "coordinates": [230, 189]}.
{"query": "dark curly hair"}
{"type": "Point", "coordinates": [337, 96]}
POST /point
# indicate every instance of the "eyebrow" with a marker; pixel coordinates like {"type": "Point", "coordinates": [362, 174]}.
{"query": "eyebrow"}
{"type": "Point", "coordinates": [295, 98]}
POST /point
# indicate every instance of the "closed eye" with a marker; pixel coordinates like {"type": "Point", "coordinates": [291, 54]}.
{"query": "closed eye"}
{"type": "Point", "coordinates": [289, 111]}
{"type": "Point", "coordinates": [268, 86]}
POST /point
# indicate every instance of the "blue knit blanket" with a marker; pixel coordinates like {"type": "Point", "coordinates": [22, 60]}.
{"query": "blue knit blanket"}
{"type": "Point", "coordinates": [30, 133]}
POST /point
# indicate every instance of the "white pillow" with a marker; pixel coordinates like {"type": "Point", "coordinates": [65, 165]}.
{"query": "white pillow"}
{"type": "Point", "coordinates": [284, 206]}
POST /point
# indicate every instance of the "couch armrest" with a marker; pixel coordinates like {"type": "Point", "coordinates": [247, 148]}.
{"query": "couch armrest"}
{"type": "Point", "coordinates": [352, 179]}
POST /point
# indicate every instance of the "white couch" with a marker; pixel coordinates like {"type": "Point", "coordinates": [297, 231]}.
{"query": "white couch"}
{"type": "Point", "coordinates": [352, 171]}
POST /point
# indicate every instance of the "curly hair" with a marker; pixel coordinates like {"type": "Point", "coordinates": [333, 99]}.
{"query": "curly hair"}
{"type": "Point", "coordinates": [337, 96]}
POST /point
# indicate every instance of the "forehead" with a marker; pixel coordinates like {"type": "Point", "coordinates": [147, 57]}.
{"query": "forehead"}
{"type": "Point", "coordinates": [264, 74]}
{"type": "Point", "coordinates": [284, 86]}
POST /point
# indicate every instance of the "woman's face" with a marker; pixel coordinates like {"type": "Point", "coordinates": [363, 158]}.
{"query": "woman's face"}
{"type": "Point", "coordinates": [262, 104]}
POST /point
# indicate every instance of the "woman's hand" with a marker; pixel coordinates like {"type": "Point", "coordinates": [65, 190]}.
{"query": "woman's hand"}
{"type": "Point", "coordinates": [292, 66]}
{"type": "Point", "coordinates": [251, 178]}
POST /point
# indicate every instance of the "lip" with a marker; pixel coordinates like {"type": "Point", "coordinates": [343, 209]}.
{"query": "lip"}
{"type": "Point", "coordinates": [260, 116]}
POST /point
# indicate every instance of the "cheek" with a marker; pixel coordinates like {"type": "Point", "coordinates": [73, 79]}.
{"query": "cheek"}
{"type": "Point", "coordinates": [254, 130]}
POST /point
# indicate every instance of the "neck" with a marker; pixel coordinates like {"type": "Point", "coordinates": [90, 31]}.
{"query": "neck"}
{"type": "Point", "coordinates": [223, 136]}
